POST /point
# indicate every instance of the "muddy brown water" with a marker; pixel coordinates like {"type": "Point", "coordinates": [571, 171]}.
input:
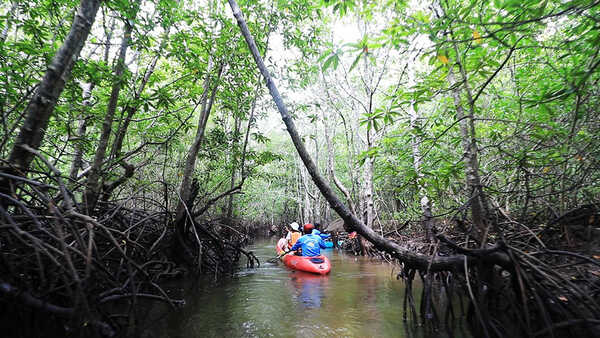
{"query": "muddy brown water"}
{"type": "Point", "coordinates": [359, 298]}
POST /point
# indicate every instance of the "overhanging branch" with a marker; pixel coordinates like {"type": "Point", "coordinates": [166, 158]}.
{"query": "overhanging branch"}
{"type": "Point", "coordinates": [410, 259]}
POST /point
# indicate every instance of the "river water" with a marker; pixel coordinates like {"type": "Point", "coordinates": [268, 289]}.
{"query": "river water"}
{"type": "Point", "coordinates": [359, 298]}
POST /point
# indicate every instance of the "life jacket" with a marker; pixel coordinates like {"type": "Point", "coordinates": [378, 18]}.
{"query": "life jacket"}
{"type": "Point", "coordinates": [294, 238]}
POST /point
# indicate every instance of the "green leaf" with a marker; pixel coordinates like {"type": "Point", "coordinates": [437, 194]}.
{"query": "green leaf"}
{"type": "Point", "coordinates": [355, 61]}
{"type": "Point", "coordinates": [333, 59]}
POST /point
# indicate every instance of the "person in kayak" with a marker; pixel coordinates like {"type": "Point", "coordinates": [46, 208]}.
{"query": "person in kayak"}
{"type": "Point", "coordinates": [293, 234]}
{"type": "Point", "coordinates": [323, 235]}
{"type": "Point", "coordinates": [311, 244]}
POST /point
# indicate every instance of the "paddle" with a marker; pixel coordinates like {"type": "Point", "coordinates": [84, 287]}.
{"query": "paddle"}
{"type": "Point", "coordinates": [276, 259]}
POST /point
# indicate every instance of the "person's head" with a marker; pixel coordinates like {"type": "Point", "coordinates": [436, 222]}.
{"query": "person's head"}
{"type": "Point", "coordinates": [317, 225]}
{"type": "Point", "coordinates": [294, 226]}
{"type": "Point", "coordinates": [308, 228]}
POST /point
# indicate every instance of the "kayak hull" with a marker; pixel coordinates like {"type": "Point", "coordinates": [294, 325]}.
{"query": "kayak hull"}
{"type": "Point", "coordinates": [318, 264]}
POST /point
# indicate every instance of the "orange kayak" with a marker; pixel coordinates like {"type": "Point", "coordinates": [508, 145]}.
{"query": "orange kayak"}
{"type": "Point", "coordinates": [317, 264]}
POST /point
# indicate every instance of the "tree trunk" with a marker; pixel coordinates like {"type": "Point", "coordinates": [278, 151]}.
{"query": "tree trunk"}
{"type": "Point", "coordinates": [317, 206]}
{"type": "Point", "coordinates": [190, 164]}
{"type": "Point", "coordinates": [42, 104]}
{"type": "Point", "coordinates": [348, 133]}
{"type": "Point", "coordinates": [467, 131]}
{"type": "Point", "coordinates": [416, 140]}
{"type": "Point", "coordinates": [306, 215]}
{"type": "Point", "coordinates": [233, 161]}
{"type": "Point", "coordinates": [81, 129]}
{"type": "Point", "coordinates": [130, 109]}
{"type": "Point", "coordinates": [117, 146]}
{"type": "Point", "coordinates": [331, 169]}
{"type": "Point", "coordinates": [189, 185]}
{"type": "Point", "coordinates": [367, 192]}
{"type": "Point", "coordinates": [93, 184]}
{"type": "Point", "coordinates": [84, 118]}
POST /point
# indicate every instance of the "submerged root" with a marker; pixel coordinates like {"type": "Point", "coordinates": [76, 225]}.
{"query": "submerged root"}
{"type": "Point", "coordinates": [542, 293]}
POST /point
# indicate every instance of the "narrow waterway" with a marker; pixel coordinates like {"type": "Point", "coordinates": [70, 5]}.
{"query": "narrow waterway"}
{"type": "Point", "coordinates": [359, 298]}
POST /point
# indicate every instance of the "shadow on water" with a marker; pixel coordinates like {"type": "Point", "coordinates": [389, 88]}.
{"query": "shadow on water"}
{"type": "Point", "coordinates": [359, 298]}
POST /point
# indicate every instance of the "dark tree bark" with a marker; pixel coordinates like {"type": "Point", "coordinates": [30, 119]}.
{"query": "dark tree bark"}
{"type": "Point", "coordinates": [42, 104]}
{"type": "Point", "coordinates": [409, 258]}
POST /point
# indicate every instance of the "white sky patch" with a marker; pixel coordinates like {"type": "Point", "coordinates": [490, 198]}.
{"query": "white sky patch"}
{"type": "Point", "coordinates": [343, 30]}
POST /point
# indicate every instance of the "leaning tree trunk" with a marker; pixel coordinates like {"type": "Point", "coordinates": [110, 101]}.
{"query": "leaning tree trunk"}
{"type": "Point", "coordinates": [42, 104]}
{"type": "Point", "coordinates": [409, 258]}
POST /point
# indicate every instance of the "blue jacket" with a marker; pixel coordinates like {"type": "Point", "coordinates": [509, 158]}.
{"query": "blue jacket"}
{"type": "Point", "coordinates": [323, 235]}
{"type": "Point", "coordinates": [311, 245]}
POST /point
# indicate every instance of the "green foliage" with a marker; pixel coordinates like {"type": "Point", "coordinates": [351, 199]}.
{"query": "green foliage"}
{"type": "Point", "coordinates": [527, 71]}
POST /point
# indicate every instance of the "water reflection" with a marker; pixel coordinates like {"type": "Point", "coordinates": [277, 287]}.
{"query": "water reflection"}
{"type": "Point", "coordinates": [310, 288]}
{"type": "Point", "coordinates": [359, 298]}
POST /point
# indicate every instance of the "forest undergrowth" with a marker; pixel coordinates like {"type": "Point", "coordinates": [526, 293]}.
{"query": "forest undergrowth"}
{"type": "Point", "coordinates": [72, 272]}
{"type": "Point", "coordinates": [549, 285]}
